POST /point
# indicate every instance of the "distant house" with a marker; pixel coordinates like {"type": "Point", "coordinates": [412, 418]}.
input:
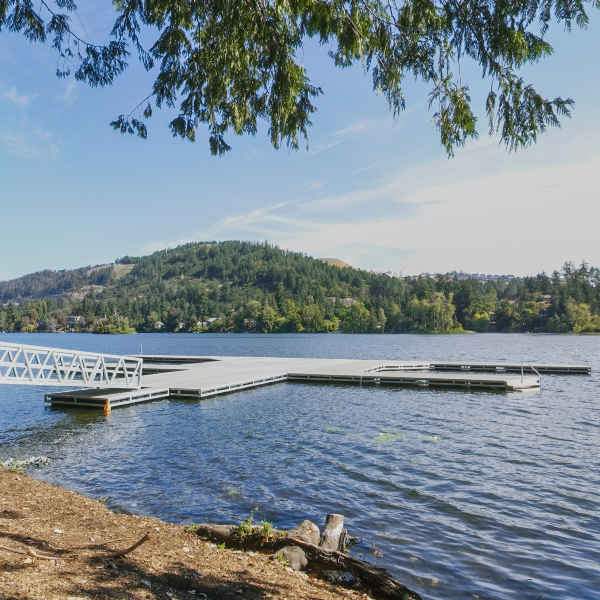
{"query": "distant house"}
{"type": "Point", "coordinates": [159, 325]}
{"type": "Point", "coordinates": [546, 297]}
{"type": "Point", "coordinates": [250, 324]}
{"type": "Point", "coordinates": [207, 323]}
{"type": "Point", "coordinates": [75, 320]}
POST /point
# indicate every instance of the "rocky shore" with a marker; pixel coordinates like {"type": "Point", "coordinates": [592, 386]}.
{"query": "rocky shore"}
{"type": "Point", "coordinates": [56, 544]}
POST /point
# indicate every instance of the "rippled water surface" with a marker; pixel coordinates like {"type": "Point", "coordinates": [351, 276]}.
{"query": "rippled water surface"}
{"type": "Point", "coordinates": [466, 494]}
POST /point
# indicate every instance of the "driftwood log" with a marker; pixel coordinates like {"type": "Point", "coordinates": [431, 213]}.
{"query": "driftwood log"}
{"type": "Point", "coordinates": [375, 579]}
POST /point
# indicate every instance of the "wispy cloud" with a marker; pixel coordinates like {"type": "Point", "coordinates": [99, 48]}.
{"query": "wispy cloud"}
{"type": "Point", "coordinates": [414, 222]}
{"type": "Point", "coordinates": [29, 142]}
{"type": "Point", "coordinates": [69, 95]}
{"type": "Point", "coordinates": [321, 148]}
{"type": "Point", "coordinates": [21, 101]}
{"type": "Point", "coordinates": [336, 138]}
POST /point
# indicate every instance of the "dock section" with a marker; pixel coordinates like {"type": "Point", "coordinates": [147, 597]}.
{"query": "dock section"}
{"type": "Point", "coordinates": [106, 399]}
{"type": "Point", "coordinates": [206, 376]}
{"type": "Point", "coordinates": [511, 367]}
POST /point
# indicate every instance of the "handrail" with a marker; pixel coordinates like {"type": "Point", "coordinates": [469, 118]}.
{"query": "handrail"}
{"type": "Point", "coordinates": [533, 369]}
{"type": "Point", "coordinates": [537, 373]}
{"type": "Point", "coordinates": [22, 364]}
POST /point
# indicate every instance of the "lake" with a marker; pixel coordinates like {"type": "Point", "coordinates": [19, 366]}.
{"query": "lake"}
{"type": "Point", "coordinates": [467, 494]}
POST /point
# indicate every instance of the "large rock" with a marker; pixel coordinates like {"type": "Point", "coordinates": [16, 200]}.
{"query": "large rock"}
{"type": "Point", "coordinates": [215, 532]}
{"type": "Point", "coordinates": [306, 531]}
{"type": "Point", "coordinates": [295, 556]}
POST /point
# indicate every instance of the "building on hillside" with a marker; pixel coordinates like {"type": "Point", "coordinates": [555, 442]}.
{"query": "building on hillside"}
{"type": "Point", "coordinates": [75, 320]}
{"type": "Point", "coordinates": [207, 323]}
{"type": "Point", "coordinates": [250, 325]}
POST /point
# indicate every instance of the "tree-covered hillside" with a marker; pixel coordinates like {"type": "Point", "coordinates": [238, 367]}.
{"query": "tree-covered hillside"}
{"type": "Point", "coordinates": [243, 286]}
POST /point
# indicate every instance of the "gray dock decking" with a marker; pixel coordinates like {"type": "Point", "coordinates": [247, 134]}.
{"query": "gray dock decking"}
{"type": "Point", "coordinates": [207, 376]}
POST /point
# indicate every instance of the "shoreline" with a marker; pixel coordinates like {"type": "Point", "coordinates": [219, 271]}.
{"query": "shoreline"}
{"type": "Point", "coordinates": [173, 563]}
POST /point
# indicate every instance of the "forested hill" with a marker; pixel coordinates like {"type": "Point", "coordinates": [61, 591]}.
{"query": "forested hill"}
{"type": "Point", "coordinates": [243, 286]}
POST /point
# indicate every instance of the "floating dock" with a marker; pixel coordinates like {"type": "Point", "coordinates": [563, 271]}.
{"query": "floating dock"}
{"type": "Point", "coordinates": [507, 367]}
{"type": "Point", "coordinates": [109, 381]}
{"type": "Point", "coordinates": [206, 376]}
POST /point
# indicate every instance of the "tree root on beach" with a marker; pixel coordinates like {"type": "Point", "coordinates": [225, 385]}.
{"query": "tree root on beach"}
{"type": "Point", "coordinates": [127, 550]}
{"type": "Point", "coordinates": [369, 577]}
{"type": "Point", "coordinates": [34, 554]}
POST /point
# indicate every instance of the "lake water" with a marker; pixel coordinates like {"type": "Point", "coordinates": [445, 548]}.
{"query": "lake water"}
{"type": "Point", "coordinates": [467, 494]}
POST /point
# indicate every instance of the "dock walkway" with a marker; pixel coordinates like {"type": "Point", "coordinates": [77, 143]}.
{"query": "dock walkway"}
{"type": "Point", "coordinates": [207, 376]}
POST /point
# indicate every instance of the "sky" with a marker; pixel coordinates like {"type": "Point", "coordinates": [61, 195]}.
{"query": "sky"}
{"type": "Point", "coordinates": [376, 193]}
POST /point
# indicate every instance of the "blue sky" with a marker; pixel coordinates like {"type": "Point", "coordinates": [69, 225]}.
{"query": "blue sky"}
{"type": "Point", "coordinates": [376, 193]}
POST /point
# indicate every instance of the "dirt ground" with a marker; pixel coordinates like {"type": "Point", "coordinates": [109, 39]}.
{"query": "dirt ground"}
{"type": "Point", "coordinates": [172, 564]}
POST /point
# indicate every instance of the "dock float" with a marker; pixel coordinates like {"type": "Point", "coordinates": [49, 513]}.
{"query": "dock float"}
{"type": "Point", "coordinates": [207, 376]}
{"type": "Point", "coordinates": [108, 381]}
{"type": "Point", "coordinates": [508, 367]}
{"type": "Point", "coordinates": [105, 398]}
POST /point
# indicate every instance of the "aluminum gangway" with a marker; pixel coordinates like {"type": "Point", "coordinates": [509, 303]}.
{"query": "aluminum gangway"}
{"type": "Point", "coordinates": [21, 364]}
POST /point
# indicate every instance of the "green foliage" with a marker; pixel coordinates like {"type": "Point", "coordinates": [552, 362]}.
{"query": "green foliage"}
{"type": "Point", "coordinates": [253, 287]}
{"type": "Point", "coordinates": [222, 546]}
{"type": "Point", "coordinates": [226, 64]}
{"type": "Point", "coordinates": [283, 560]}
{"type": "Point", "coordinates": [480, 322]}
{"type": "Point", "coordinates": [266, 529]}
{"type": "Point", "coordinates": [245, 528]}
{"type": "Point", "coordinates": [114, 324]}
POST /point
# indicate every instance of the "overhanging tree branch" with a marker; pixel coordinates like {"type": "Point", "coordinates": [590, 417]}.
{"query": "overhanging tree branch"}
{"type": "Point", "coordinates": [227, 64]}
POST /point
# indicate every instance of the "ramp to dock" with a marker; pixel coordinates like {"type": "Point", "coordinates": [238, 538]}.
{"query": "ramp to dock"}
{"type": "Point", "coordinates": [21, 364]}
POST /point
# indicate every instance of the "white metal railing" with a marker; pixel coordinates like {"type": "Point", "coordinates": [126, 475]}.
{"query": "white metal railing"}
{"type": "Point", "coordinates": [34, 365]}
{"type": "Point", "coordinates": [534, 370]}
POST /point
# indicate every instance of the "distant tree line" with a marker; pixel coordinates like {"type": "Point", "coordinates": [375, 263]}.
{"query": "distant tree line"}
{"type": "Point", "coordinates": [257, 287]}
